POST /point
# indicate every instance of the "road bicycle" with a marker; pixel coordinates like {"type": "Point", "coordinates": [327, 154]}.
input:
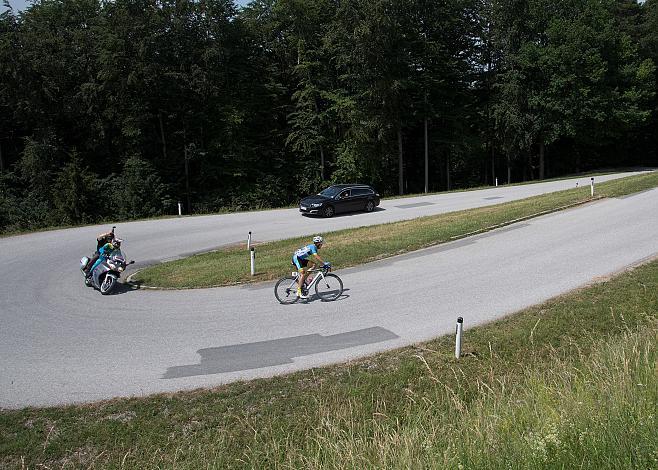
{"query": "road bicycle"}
{"type": "Point", "coordinates": [328, 286]}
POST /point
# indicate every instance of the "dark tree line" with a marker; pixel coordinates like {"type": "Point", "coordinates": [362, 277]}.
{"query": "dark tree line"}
{"type": "Point", "coordinates": [119, 109]}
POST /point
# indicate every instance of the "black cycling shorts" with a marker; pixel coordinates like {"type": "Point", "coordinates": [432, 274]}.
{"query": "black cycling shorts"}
{"type": "Point", "coordinates": [299, 262]}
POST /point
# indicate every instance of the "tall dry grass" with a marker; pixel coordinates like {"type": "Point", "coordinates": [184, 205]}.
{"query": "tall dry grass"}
{"type": "Point", "coordinates": [595, 410]}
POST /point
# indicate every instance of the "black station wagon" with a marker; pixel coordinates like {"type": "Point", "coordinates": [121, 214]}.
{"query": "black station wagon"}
{"type": "Point", "coordinates": [340, 198]}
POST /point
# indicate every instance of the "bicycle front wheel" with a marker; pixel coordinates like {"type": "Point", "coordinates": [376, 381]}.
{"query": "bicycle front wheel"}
{"type": "Point", "coordinates": [329, 288]}
{"type": "Point", "coordinates": [286, 290]}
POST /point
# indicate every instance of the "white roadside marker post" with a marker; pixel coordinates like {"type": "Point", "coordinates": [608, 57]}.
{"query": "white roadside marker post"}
{"type": "Point", "coordinates": [180, 209]}
{"type": "Point", "coordinates": [458, 338]}
{"type": "Point", "coordinates": [249, 241]}
{"type": "Point", "coordinates": [496, 181]}
{"type": "Point", "coordinates": [592, 187]}
{"type": "Point", "coordinates": [253, 260]}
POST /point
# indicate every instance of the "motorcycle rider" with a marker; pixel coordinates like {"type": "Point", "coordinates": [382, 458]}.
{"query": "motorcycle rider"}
{"type": "Point", "coordinates": [101, 240]}
{"type": "Point", "coordinates": [104, 253]}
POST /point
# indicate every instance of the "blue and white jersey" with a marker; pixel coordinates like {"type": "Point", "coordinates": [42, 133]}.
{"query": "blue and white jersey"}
{"type": "Point", "coordinates": [306, 251]}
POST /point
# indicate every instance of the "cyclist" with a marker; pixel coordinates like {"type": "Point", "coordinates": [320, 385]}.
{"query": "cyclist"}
{"type": "Point", "coordinates": [301, 259]}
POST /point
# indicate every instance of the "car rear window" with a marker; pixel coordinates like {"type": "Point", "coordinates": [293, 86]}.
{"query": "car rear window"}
{"type": "Point", "coordinates": [362, 191]}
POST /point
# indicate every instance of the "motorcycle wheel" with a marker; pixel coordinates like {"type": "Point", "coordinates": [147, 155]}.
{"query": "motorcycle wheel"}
{"type": "Point", "coordinates": [107, 284]}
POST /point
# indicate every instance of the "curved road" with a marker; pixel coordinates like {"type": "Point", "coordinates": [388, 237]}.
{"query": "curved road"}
{"type": "Point", "coordinates": [62, 343]}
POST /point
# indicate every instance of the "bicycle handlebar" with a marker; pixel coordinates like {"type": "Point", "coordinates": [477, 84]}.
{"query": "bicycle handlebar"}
{"type": "Point", "coordinates": [326, 268]}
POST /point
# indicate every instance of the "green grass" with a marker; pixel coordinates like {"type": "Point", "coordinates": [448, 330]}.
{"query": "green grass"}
{"type": "Point", "coordinates": [357, 246]}
{"type": "Point", "coordinates": [571, 383]}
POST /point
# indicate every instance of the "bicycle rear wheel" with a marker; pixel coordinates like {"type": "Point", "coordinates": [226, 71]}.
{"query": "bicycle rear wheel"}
{"type": "Point", "coordinates": [329, 288]}
{"type": "Point", "coordinates": [285, 290]}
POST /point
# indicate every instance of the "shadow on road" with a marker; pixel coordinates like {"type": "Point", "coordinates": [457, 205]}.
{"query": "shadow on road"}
{"type": "Point", "coordinates": [344, 214]}
{"type": "Point", "coordinates": [125, 287]}
{"type": "Point", "coordinates": [275, 352]}
{"type": "Point", "coordinates": [315, 298]}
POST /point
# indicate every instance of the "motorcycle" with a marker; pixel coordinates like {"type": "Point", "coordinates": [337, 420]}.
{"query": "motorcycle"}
{"type": "Point", "coordinates": [107, 273]}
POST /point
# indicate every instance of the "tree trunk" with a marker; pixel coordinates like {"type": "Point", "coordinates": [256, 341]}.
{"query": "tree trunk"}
{"type": "Point", "coordinates": [299, 52]}
{"type": "Point", "coordinates": [162, 135]}
{"type": "Point", "coordinates": [509, 168]}
{"type": "Point", "coordinates": [448, 171]}
{"type": "Point", "coordinates": [317, 111]}
{"type": "Point", "coordinates": [400, 162]}
{"type": "Point", "coordinates": [187, 180]}
{"type": "Point", "coordinates": [487, 50]}
{"type": "Point", "coordinates": [493, 163]}
{"type": "Point", "coordinates": [541, 160]}
{"type": "Point", "coordinates": [426, 159]}
{"type": "Point", "coordinates": [2, 161]}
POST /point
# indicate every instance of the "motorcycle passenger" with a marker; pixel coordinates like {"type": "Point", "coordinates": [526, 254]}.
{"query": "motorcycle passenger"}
{"type": "Point", "coordinates": [302, 257]}
{"type": "Point", "coordinates": [104, 253]}
{"type": "Point", "coordinates": [101, 240]}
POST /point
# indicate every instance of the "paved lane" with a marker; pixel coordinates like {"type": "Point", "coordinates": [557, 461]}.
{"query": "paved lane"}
{"type": "Point", "coordinates": [63, 343]}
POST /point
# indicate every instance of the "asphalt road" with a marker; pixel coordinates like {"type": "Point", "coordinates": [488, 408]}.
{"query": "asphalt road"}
{"type": "Point", "coordinates": [63, 343]}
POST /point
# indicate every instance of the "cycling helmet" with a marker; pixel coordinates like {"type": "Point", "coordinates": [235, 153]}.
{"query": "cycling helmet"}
{"type": "Point", "coordinates": [318, 239]}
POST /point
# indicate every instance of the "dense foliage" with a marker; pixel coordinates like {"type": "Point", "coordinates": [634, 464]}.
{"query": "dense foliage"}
{"type": "Point", "coordinates": [120, 109]}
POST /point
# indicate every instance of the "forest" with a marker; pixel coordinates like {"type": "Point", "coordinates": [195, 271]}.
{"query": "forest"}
{"type": "Point", "coordinates": [122, 109]}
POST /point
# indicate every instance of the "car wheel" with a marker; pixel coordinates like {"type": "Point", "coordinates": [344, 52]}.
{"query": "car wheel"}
{"type": "Point", "coordinates": [370, 206]}
{"type": "Point", "coordinates": [328, 211]}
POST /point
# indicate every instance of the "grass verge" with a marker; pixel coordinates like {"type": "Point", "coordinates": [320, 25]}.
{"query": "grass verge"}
{"type": "Point", "coordinates": [357, 246]}
{"type": "Point", "coordinates": [571, 383]}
